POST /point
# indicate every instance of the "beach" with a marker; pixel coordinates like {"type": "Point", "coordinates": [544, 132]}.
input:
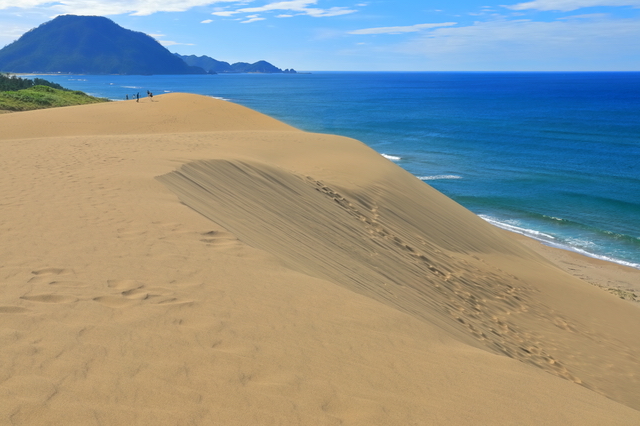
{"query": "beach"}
{"type": "Point", "coordinates": [191, 261]}
{"type": "Point", "coordinates": [549, 155]}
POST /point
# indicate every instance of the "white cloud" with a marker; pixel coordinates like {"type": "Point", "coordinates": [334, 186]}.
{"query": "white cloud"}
{"type": "Point", "coordinates": [284, 16]}
{"type": "Point", "coordinates": [148, 7]}
{"type": "Point", "coordinates": [252, 18]}
{"type": "Point", "coordinates": [302, 7]}
{"type": "Point", "coordinates": [174, 43]}
{"type": "Point", "coordinates": [586, 16]}
{"type": "Point", "coordinates": [168, 42]}
{"type": "Point", "coordinates": [574, 44]}
{"type": "Point", "coordinates": [207, 21]}
{"type": "Point", "coordinates": [224, 13]}
{"type": "Point", "coordinates": [324, 13]}
{"type": "Point", "coordinates": [568, 5]}
{"type": "Point", "coordinates": [24, 4]}
{"type": "Point", "coordinates": [112, 7]}
{"type": "Point", "coordinates": [11, 32]}
{"type": "Point", "coordinates": [400, 30]}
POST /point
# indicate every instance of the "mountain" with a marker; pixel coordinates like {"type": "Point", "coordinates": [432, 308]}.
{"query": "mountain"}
{"type": "Point", "coordinates": [213, 65]}
{"type": "Point", "coordinates": [206, 63]}
{"type": "Point", "coordinates": [89, 45]}
{"type": "Point", "coordinates": [260, 66]}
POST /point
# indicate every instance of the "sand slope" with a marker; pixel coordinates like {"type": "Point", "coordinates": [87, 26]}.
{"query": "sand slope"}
{"type": "Point", "coordinates": [189, 261]}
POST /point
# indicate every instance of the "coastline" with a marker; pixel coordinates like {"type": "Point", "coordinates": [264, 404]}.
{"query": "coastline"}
{"type": "Point", "coordinates": [619, 280]}
{"type": "Point", "coordinates": [609, 239]}
{"type": "Point", "coordinates": [201, 262]}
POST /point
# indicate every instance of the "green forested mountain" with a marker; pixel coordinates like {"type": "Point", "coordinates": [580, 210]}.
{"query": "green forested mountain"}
{"type": "Point", "coordinates": [206, 63]}
{"type": "Point", "coordinates": [89, 45]}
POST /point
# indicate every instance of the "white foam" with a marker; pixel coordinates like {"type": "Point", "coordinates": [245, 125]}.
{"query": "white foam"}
{"type": "Point", "coordinates": [439, 177]}
{"type": "Point", "coordinates": [218, 97]}
{"type": "Point", "coordinates": [391, 157]}
{"type": "Point", "coordinates": [131, 87]}
{"type": "Point", "coordinates": [550, 240]}
{"type": "Point", "coordinates": [597, 256]}
{"type": "Point", "coordinates": [514, 228]}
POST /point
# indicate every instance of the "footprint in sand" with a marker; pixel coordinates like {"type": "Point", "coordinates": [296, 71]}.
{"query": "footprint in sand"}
{"type": "Point", "coordinates": [41, 275]}
{"type": "Point", "coordinates": [124, 285]}
{"type": "Point", "coordinates": [132, 292]}
{"type": "Point", "coordinates": [174, 302]}
{"type": "Point", "coordinates": [74, 284]}
{"type": "Point", "coordinates": [50, 298]}
{"type": "Point", "coordinates": [136, 293]}
{"type": "Point", "coordinates": [114, 301]}
{"type": "Point", "coordinates": [49, 271]}
{"type": "Point", "coordinates": [219, 239]}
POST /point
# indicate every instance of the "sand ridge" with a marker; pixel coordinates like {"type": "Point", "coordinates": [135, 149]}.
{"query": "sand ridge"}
{"type": "Point", "coordinates": [441, 280]}
{"type": "Point", "coordinates": [304, 280]}
{"type": "Point", "coordinates": [162, 114]}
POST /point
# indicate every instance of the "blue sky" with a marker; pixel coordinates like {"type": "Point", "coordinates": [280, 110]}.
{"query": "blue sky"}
{"type": "Point", "coordinates": [372, 35]}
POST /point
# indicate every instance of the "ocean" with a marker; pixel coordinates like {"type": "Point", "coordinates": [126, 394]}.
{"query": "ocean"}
{"type": "Point", "coordinates": [554, 156]}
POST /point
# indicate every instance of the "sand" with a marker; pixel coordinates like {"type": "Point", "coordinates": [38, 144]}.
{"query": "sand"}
{"type": "Point", "coordinates": [190, 261]}
{"type": "Point", "coordinates": [620, 280]}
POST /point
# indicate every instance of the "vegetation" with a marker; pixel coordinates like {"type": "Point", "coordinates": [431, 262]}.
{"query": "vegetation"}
{"type": "Point", "coordinates": [89, 45]}
{"type": "Point", "coordinates": [11, 83]}
{"type": "Point", "coordinates": [214, 66]}
{"type": "Point", "coordinates": [19, 94]}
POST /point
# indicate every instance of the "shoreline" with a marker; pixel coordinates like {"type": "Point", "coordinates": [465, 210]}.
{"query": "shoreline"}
{"type": "Point", "coordinates": [532, 234]}
{"type": "Point", "coordinates": [603, 246]}
{"type": "Point", "coordinates": [620, 280]}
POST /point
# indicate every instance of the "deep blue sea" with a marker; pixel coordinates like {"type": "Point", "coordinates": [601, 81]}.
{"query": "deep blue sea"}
{"type": "Point", "coordinates": [555, 156]}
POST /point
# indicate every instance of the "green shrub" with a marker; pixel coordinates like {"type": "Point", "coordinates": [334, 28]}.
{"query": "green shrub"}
{"type": "Point", "coordinates": [13, 83]}
{"type": "Point", "coordinates": [38, 97]}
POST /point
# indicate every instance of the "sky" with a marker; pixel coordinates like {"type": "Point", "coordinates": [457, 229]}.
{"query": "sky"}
{"type": "Point", "coordinates": [372, 35]}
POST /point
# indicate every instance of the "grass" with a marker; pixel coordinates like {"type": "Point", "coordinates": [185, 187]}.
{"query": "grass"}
{"type": "Point", "coordinates": [39, 97]}
{"type": "Point", "coordinates": [624, 294]}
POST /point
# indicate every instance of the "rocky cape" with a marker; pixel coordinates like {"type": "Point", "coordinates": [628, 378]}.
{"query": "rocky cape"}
{"type": "Point", "coordinates": [214, 66]}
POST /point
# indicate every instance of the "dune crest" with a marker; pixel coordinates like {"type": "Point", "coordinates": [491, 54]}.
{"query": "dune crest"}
{"type": "Point", "coordinates": [201, 263]}
{"type": "Point", "coordinates": [174, 112]}
{"type": "Point", "coordinates": [377, 242]}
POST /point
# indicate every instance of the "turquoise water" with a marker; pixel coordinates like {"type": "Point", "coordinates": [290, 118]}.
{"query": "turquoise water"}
{"type": "Point", "coordinates": [555, 156]}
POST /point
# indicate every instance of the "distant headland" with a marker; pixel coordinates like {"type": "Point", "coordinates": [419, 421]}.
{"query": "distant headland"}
{"type": "Point", "coordinates": [214, 66]}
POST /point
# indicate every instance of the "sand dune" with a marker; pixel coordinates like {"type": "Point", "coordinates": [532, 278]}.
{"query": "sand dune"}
{"type": "Point", "coordinates": [190, 261]}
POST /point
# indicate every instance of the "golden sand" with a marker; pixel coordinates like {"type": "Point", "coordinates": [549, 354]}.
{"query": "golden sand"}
{"type": "Point", "coordinates": [190, 261]}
